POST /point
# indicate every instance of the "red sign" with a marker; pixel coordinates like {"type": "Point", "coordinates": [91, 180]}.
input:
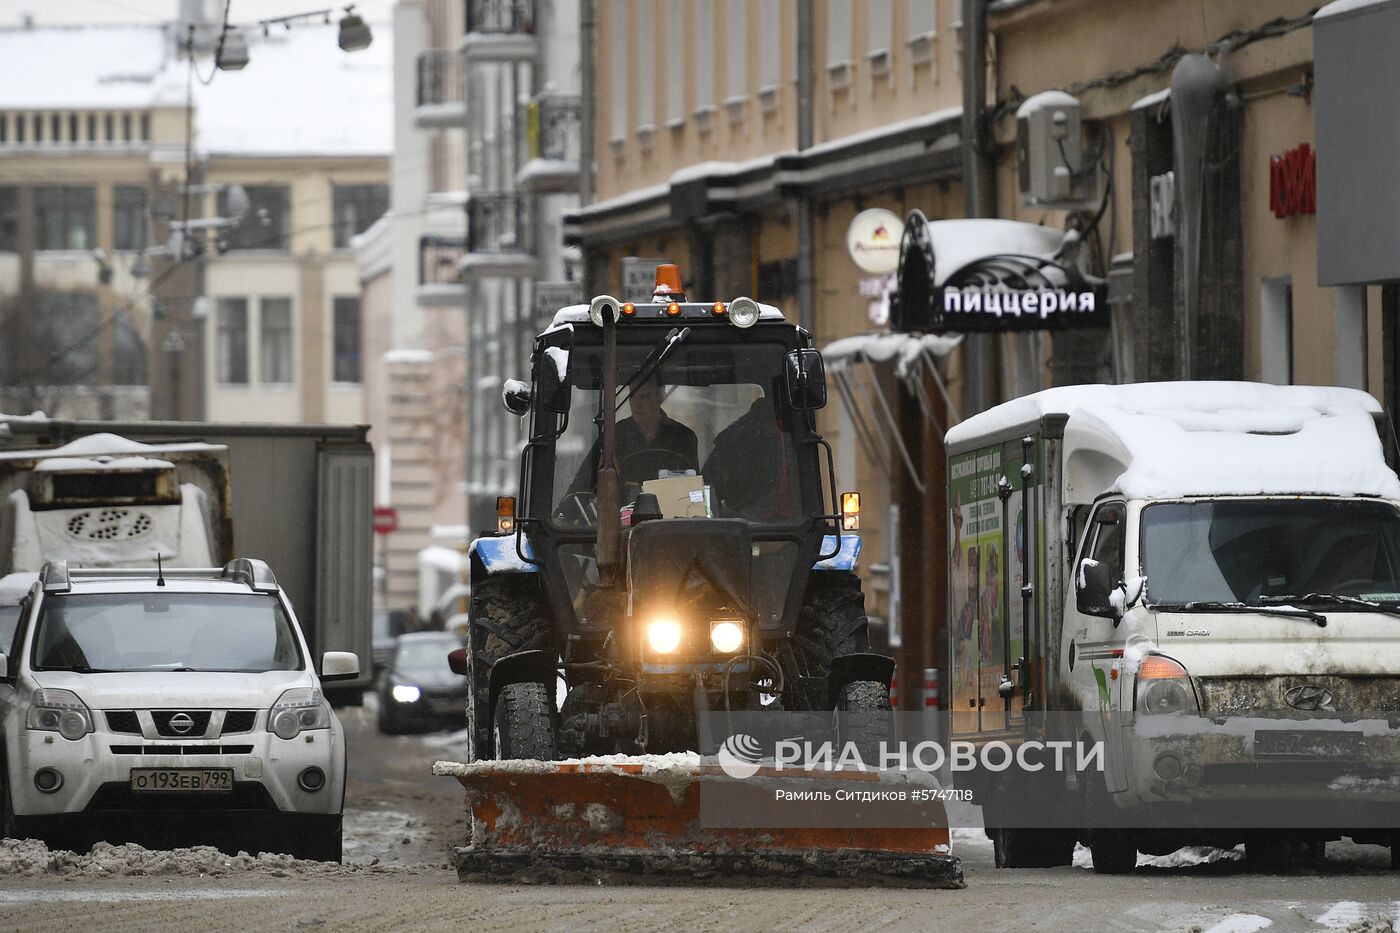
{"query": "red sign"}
{"type": "Point", "coordinates": [1293, 182]}
{"type": "Point", "coordinates": [386, 520]}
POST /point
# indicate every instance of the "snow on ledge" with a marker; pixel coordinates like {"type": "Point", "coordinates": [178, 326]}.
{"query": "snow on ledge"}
{"type": "Point", "coordinates": [1342, 7]}
{"type": "Point", "coordinates": [1153, 99]}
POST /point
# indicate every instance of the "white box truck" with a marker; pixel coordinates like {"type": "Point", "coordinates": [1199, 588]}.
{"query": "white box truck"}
{"type": "Point", "coordinates": [1204, 580]}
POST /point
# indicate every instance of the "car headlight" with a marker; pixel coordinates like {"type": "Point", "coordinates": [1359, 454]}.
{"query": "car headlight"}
{"type": "Point", "coordinates": [1163, 686]}
{"type": "Point", "coordinates": [406, 693]}
{"type": "Point", "coordinates": [53, 710]}
{"type": "Point", "coordinates": [726, 636]}
{"type": "Point", "coordinates": [298, 710]}
{"type": "Point", "coordinates": [664, 635]}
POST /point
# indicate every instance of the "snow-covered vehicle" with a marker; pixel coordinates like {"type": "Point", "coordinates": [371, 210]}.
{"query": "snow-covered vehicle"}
{"type": "Point", "coordinates": [1203, 577]}
{"type": "Point", "coordinates": [169, 707]}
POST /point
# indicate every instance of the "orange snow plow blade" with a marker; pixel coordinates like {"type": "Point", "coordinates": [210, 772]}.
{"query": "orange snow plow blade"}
{"type": "Point", "coordinates": [629, 820]}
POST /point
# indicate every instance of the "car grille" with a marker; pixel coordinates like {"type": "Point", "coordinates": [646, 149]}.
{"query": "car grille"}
{"type": "Point", "coordinates": [239, 720]}
{"type": "Point", "coordinates": [123, 720]}
{"type": "Point", "coordinates": [167, 749]}
{"type": "Point", "coordinates": [163, 717]}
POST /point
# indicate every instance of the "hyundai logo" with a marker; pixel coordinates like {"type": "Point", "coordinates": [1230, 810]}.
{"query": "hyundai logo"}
{"type": "Point", "coordinates": [1308, 697]}
{"type": "Point", "coordinates": [181, 723]}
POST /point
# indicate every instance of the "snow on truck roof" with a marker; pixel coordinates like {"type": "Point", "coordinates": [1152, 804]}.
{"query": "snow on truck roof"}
{"type": "Point", "coordinates": [1165, 439]}
{"type": "Point", "coordinates": [578, 314]}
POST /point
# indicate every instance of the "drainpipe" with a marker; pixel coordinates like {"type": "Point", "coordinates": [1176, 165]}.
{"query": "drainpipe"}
{"type": "Point", "coordinates": [586, 120]}
{"type": "Point", "coordinates": [806, 236]}
{"type": "Point", "coordinates": [979, 200]}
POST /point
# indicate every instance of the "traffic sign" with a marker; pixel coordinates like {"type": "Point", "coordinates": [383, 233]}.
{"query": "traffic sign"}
{"type": "Point", "coordinates": [386, 520]}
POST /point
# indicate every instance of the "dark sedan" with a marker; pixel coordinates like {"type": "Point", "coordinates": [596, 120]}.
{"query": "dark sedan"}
{"type": "Point", "coordinates": [418, 690]}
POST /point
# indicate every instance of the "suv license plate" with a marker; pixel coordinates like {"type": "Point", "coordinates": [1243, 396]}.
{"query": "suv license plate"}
{"type": "Point", "coordinates": [212, 780]}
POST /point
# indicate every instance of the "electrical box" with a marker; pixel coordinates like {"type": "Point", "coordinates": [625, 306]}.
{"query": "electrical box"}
{"type": "Point", "coordinates": [1055, 169]}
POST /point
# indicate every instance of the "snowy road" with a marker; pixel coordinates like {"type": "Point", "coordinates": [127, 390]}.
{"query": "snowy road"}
{"type": "Point", "coordinates": [407, 821]}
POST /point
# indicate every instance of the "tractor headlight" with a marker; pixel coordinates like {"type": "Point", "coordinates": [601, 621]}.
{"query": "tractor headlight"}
{"type": "Point", "coordinates": [743, 312]}
{"type": "Point", "coordinates": [55, 710]}
{"type": "Point", "coordinates": [664, 635]}
{"type": "Point", "coordinates": [726, 636]}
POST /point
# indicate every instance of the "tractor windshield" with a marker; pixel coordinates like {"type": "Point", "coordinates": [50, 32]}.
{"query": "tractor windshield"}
{"type": "Point", "coordinates": [709, 433]}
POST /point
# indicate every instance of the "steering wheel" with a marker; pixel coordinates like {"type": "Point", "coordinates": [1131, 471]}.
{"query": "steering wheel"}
{"type": "Point", "coordinates": [664, 455]}
{"type": "Point", "coordinates": [578, 508]}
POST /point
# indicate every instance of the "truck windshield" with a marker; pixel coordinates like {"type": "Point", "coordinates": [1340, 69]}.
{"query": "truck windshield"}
{"type": "Point", "coordinates": [164, 632]}
{"type": "Point", "coordinates": [709, 433]}
{"type": "Point", "coordinates": [1252, 551]}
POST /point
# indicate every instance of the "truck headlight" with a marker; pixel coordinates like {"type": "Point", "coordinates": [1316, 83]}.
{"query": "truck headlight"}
{"type": "Point", "coordinates": [54, 710]}
{"type": "Point", "coordinates": [1163, 686]}
{"type": "Point", "coordinates": [296, 711]}
{"type": "Point", "coordinates": [664, 635]}
{"type": "Point", "coordinates": [406, 693]}
{"type": "Point", "coordinates": [726, 636]}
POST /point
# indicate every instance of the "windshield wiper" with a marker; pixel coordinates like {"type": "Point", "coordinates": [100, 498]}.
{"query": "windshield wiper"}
{"type": "Point", "coordinates": [659, 355]}
{"type": "Point", "coordinates": [1209, 606]}
{"type": "Point", "coordinates": [1336, 599]}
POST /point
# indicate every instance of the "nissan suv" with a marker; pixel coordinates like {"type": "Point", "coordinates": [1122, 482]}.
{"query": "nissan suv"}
{"type": "Point", "coordinates": [169, 707]}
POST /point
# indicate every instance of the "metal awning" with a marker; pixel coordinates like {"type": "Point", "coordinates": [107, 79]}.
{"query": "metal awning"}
{"type": "Point", "coordinates": [911, 356]}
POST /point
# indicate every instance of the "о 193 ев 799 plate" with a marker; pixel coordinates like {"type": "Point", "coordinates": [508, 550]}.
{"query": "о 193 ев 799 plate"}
{"type": "Point", "coordinates": [182, 779]}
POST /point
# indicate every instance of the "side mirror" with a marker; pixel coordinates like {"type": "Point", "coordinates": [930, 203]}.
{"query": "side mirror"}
{"type": "Point", "coordinates": [457, 660]}
{"type": "Point", "coordinates": [1092, 586]}
{"type": "Point", "coordinates": [556, 392]}
{"type": "Point", "coordinates": [339, 665]}
{"type": "Point", "coordinates": [806, 379]}
{"type": "Point", "coordinates": [516, 396]}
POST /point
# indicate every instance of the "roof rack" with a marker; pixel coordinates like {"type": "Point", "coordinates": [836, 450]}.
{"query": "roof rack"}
{"type": "Point", "coordinates": [58, 577]}
{"type": "Point", "coordinates": [54, 576]}
{"type": "Point", "coordinates": [251, 572]}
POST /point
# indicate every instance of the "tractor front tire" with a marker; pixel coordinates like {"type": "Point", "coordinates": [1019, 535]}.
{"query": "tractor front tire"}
{"type": "Point", "coordinates": [523, 726]}
{"type": "Point", "coordinates": [832, 623]}
{"type": "Point", "coordinates": [508, 615]}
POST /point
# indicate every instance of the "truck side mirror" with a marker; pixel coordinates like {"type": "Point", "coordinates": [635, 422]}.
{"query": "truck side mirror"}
{"type": "Point", "coordinates": [555, 392]}
{"type": "Point", "coordinates": [806, 379]}
{"type": "Point", "coordinates": [516, 397]}
{"type": "Point", "coordinates": [1092, 586]}
{"type": "Point", "coordinates": [340, 665]}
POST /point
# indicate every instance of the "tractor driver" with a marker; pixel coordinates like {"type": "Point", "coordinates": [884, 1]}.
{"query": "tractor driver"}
{"type": "Point", "coordinates": [648, 441]}
{"type": "Point", "coordinates": [751, 467]}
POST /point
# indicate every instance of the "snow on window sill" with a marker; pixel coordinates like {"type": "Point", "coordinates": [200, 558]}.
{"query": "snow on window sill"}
{"type": "Point", "coordinates": [735, 107]}
{"type": "Point", "coordinates": [768, 98]}
{"type": "Point", "coordinates": [616, 144]}
{"type": "Point", "coordinates": [704, 118]}
{"type": "Point", "coordinates": [879, 62]}
{"type": "Point", "coordinates": [838, 75]}
{"type": "Point", "coordinates": [921, 48]}
{"type": "Point", "coordinates": [646, 135]}
{"type": "Point", "coordinates": [675, 123]}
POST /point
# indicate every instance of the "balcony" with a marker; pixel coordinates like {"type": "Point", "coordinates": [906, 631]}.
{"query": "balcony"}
{"type": "Point", "coordinates": [499, 241]}
{"type": "Point", "coordinates": [555, 125]}
{"type": "Point", "coordinates": [499, 31]}
{"type": "Point", "coordinates": [441, 102]}
{"type": "Point", "coordinates": [439, 278]}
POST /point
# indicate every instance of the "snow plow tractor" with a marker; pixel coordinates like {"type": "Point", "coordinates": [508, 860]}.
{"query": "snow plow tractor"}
{"type": "Point", "coordinates": [677, 551]}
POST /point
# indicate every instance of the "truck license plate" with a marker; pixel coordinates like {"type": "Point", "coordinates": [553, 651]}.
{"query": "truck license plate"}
{"type": "Point", "coordinates": [1307, 744]}
{"type": "Point", "coordinates": [212, 780]}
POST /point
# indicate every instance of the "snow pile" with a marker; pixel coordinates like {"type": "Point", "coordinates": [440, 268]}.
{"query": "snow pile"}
{"type": "Point", "coordinates": [1137, 650]}
{"type": "Point", "coordinates": [904, 349]}
{"type": "Point", "coordinates": [1340, 7]}
{"type": "Point", "coordinates": [32, 857]}
{"type": "Point", "coordinates": [100, 462]}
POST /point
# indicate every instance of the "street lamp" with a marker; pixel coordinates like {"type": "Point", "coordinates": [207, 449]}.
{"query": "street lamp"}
{"type": "Point", "coordinates": [354, 32]}
{"type": "Point", "coordinates": [232, 54]}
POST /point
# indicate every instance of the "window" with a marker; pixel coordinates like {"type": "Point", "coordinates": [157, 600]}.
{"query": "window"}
{"type": "Point", "coordinates": [356, 208]}
{"type": "Point", "coordinates": [19, 128]}
{"type": "Point", "coordinates": [1108, 538]}
{"type": "Point", "coordinates": [55, 127]}
{"type": "Point", "coordinates": [145, 127]}
{"type": "Point", "coordinates": [1349, 347]}
{"type": "Point", "coordinates": [126, 127]}
{"type": "Point", "coordinates": [67, 217]}
{"type": "Point", "coordinates": [704, 55]}
{"type": "Point", "coordinates": [645, 54]}
{"type": "Point", "coordinates": [736, 41]}
{"type": "Point", "coordinates": [275, 331]}
{"type": "Point", "coordinates": [92, 128]}
{"type": "Point", "coordinates": [266, 224]}
{"type": "Point", "coordinates": [769, 44]}
{"type": "Point", "coordinates": [72, 127]}
{"type": "Point", "coordinates": [4, 128]}
{"type": "Point", "coordinates": [838, 33]}
{"type": "Point", "coordinates": [619, 57]}
{"type": "Point", "coordinates": [111, 128]}
{"type": "Point", "coordinates": [675, 62]}
{"type": "Point", "coordinates": [921, 19]}
{"type": "Point", "coordinates": [232, 346]}
{"type": "Point", "coordinates": [346, 365]}
{"type": "Point", "coordinates": [9, 219]}
{"type": "Point", "coordinates": [69, 335]}
{"type": "Point", "coordinates": [129, 217]}
{"type": "Point", "coordinates": [1276, 331]}
{"type": "Point", "coordinates": [879, 27]}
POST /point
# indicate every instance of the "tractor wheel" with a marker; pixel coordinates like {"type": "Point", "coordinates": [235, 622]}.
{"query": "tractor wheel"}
{"type": "Point", "coordinates": [523, 726]}
{"type": "Point", "coordinates": [508, 614]}
{"type": "Point", "coordinates": [863, 717]}
{"type": "Point", "coordinates": [832, 623]}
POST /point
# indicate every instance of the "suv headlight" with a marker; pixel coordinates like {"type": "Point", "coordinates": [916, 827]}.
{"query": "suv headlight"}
{"type": "Point", "coordinates": [296, 711]}
{"type": "Point", "coordinates": [1163, 686]}
{"type": "Point", "coordinates": [53, 710]}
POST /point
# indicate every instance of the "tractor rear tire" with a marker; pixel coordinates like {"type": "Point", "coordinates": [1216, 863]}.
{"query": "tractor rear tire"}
{"type": "Point", "coordinates": [508, 615]}
{"type": "Point", "coordinates": [832, 623]}
{"type": "Point", "coordinates": [524, 722]}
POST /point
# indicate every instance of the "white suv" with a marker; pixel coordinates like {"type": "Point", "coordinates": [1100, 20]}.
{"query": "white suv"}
{"type": "Point", "coordinates": [169, 707]}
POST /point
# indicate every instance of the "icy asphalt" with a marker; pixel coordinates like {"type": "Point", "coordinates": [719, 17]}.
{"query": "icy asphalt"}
{"type": "Point", "coordinates": [401, 823]}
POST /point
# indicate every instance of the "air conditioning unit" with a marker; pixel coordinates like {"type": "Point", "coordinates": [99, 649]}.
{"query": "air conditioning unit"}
{"type": "Point", "coordinates": [1055, 170]}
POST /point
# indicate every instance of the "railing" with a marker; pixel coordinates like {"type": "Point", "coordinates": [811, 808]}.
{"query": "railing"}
{"type": "Point", "coordinates": [555, 128]}
{"type": "Point", "coordinates": [498, 223]}
{"type": "Point", "coordinates": [501, 16]}
{"type": "Point", "coordinates": [437, 259]}
{"type": "Point", "coordinates": [439, 77]}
